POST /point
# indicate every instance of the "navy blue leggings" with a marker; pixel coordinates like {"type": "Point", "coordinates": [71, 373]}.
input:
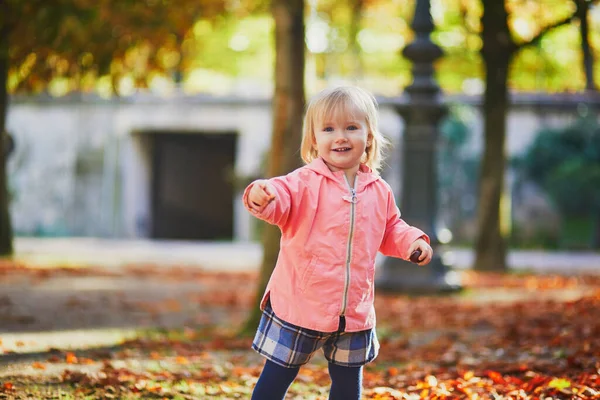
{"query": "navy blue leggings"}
{"type": "Point", "coordinates": [275, 380]}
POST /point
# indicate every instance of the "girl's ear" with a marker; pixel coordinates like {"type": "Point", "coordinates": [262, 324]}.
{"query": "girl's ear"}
{"type": "Point", "coordinates": [369, 140]}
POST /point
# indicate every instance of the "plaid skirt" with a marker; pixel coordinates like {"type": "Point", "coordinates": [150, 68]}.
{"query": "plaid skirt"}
{"type": "Point", "coordinates": [292, 346]}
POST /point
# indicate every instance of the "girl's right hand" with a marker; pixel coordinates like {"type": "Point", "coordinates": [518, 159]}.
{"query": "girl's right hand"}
{"type": "Point", "coordinates": [261, 194]}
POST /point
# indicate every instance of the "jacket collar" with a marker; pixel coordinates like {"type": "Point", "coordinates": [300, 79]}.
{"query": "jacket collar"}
{"type": "Point", "coordinates": [365, 174]}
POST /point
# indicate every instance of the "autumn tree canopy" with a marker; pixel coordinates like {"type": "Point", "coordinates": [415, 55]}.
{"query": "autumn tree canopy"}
{"type": "Point", "coordinates": [88, 39]}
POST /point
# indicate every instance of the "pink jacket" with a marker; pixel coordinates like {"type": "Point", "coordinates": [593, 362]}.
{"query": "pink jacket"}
{"type": "Point", "coordinates": [330, 237]}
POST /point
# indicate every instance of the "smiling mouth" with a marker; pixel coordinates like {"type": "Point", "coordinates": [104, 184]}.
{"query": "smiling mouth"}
{"type": "Point", "coordinates": [342, 149]}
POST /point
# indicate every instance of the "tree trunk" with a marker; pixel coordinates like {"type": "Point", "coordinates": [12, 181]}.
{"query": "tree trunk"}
{"type": "Point", "coordinates": [583, 7]}
{"type": "Point", "coordinates": [490, 246]}
{"type": "Point", "coordinates": [355, 23]}
{"type": "Point", "coordinates": [596, 230]}
{"type": "Point", "coordinates": [288, 110]}
{"type": "Point", "coordinates": [5, 224]}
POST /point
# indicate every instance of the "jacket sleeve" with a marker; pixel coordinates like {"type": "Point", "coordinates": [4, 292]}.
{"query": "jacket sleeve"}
{"type": "Point", "coordinates": [398, 234]}
{"type": "Point", "coordinates": [277, 211]}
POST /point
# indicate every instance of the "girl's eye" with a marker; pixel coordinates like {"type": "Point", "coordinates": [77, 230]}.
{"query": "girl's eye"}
{"type": "Point", "coordinates": [328, 129]}
{"type": "Point", "coordinates": [352, 127]}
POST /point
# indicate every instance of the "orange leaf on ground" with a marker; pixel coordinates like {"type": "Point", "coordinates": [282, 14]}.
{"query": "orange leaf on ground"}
{"type": "Point", "coordinates": [154, 389]}
{"type": "Point", "coordinates": [181, 360]}
{"type": "Point", "coordinates": [38, 365]}
{"type": "Point", "coordinates": [70, 358]}
{"type": "Point", "coordinates": [173, 305]}
{"type": "Point", "coordinates": [496, 377]}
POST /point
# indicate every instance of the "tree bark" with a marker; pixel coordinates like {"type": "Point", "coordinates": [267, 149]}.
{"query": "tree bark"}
{"type": "Point", "coordinates": [583, 7]}
{"type": "Point", "coordinates": [357, 7]}
{"type": "Point", "coordinates": [288, 111]}
{"type": "Point", "coordinates": [6, 247]}
{"type": "Point", "coordinates": [497, 51]}
{"type": "Point", "coordinates": [490, 246]}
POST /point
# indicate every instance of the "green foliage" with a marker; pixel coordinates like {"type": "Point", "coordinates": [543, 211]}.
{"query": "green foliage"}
{"type": "Point", "coordinates": [455, 129]}
{"type": "Point", "coordinates": [566, 164]}
{"type": "Point", "coordinates": [68, 45]}
{"type": "Point", "coordinates": [77, 41]}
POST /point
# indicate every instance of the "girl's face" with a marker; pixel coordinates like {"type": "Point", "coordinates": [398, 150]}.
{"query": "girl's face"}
{"type": "Point", "coordinates": [341, 140]}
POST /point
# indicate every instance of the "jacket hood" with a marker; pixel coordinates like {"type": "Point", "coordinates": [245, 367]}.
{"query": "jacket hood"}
{"type": "Point", "coordinates": [365, 174]}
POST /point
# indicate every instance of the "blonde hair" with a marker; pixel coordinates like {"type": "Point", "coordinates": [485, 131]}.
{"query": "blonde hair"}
{"type": "Point", "coordinates": [349, 98]}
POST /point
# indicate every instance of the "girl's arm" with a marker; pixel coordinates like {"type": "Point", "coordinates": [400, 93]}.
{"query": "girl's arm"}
{"type": "Point", "coordinates": [276, 210]}
{"type": "Point", "coordinates": [398, 236]}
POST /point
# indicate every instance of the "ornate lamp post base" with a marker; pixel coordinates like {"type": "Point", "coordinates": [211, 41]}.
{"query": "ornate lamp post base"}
{"type": "Point", "coordinates": [422, 115]}
{"type": "Point", "coordinates": [399, 276]}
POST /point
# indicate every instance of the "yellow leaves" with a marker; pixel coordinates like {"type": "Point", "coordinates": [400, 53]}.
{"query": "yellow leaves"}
{"type": "Point", "coordinates": [559, 383]}
{"type": "Point", "coordinates": [87, 34]}
{"type": "Point", "coordinates": [468, 375]}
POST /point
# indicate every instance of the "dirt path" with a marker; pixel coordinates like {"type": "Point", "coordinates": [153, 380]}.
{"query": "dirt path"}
{"type": "Point", "coordinates": [42, 309]}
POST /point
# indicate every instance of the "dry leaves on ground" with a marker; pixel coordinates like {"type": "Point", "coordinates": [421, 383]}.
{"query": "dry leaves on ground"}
{"type": "Point", "coordinates": [506, 337]}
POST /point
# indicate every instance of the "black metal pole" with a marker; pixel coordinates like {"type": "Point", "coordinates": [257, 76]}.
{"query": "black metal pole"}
{"type": "Point", "coordinates": [419, 195]}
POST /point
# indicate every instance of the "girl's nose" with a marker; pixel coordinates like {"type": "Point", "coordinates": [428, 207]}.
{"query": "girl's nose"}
{"type": "Point", "coordinates": [340, 137]}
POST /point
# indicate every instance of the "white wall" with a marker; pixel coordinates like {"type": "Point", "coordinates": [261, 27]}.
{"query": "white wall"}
{"type": "Point", "coordinates": [81, 167]}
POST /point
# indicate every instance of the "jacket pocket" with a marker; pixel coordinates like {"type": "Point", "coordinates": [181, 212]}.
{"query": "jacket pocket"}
{"type": "Point", "coordinates": [308, 272]}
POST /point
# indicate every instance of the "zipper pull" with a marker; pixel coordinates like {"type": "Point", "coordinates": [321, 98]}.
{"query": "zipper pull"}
{"type": "Point", "coordinates": [351, 198]}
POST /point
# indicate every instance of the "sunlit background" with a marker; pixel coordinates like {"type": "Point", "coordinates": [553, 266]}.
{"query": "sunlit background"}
{"type": "Point", "coordinates": [133, 127]}
{"type": "Point", "coordinates": [104, 96]}
{"type": "Point", "coordinates": [231, 52]}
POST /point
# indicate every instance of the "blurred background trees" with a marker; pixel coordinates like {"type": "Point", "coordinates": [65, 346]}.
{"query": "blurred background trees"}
{"type": "Point", "coordinates": [288, 113]}
{"type": "Point", "coordinates": [81, 46]}
{"type": "Point", "coordinates": [565, 163]}
{"type": "Point", "coordinates": [115, 48]}
{"type": "Point", "coordinates": [503, 38]}
{"type": "Point", "coordinates": [220, 47]}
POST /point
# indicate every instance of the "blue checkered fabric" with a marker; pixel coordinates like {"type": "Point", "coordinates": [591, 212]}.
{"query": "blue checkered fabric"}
{"type": "Point", "coordinates": [292, 346]}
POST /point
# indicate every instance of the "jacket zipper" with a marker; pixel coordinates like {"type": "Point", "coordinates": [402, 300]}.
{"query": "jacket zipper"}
{"type": "Point", "coordinates": [349, 246]}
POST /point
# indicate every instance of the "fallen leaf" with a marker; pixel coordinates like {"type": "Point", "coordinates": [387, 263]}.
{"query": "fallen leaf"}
{"type": "Point", "coordinates": [559, 383]}
{"type": "Point", "coordinates": [70, 358]}
{"type": "Point", "coordinates": [38, 365]}
{"type": "Point", "coordinates": [181, 360]}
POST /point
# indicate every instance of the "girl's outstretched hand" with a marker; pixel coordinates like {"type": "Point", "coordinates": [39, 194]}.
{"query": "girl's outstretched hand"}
{"type": "Point", "coordinates": [424, 248]}
{"type": "Point", "coordinates": [261, 194]}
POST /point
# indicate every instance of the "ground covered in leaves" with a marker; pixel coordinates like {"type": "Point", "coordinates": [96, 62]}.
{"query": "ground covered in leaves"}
{"type": "Point", "coordinates": [504, 337]}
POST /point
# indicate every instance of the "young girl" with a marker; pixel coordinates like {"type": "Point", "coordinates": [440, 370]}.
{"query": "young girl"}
{"type": "Point", "coordinates": [335, 214]}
